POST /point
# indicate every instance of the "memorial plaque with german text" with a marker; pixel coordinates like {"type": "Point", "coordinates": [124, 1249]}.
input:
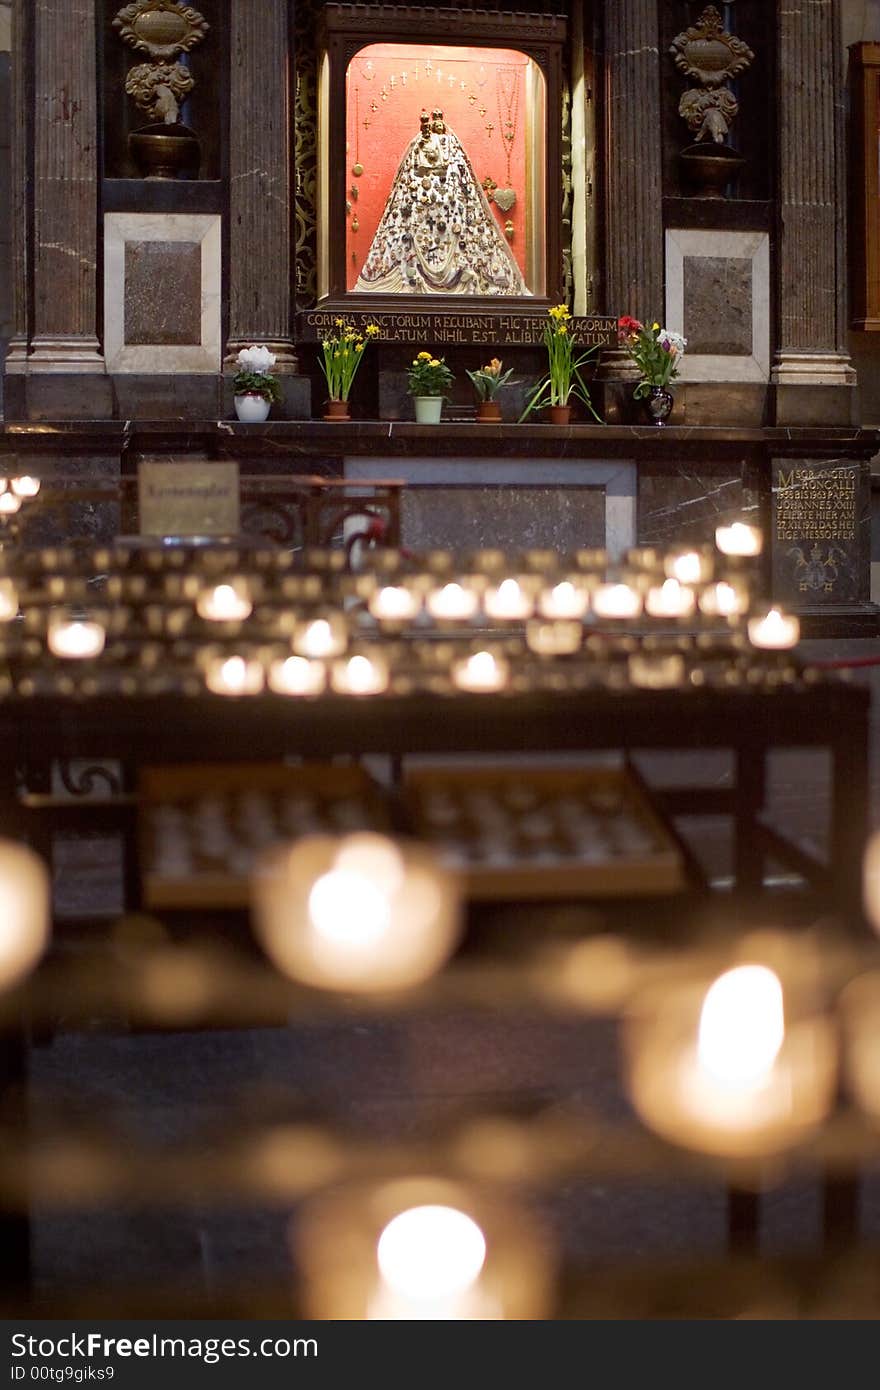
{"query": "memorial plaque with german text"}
{"type": "Point", "coordinates": [188, 499]}
{"type": "Point", "coordinates": [819, 533]}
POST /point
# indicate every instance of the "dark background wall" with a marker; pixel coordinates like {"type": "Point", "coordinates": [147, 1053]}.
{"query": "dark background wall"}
{"type": "Point", "coordinates": [5, 199]}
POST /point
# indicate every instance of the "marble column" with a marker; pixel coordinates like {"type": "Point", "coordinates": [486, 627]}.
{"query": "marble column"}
{"type": "Point", "coordinates": [65, 188]}
{"type": "Point", "coordinates": [812, 249]}
{"type": "Point", "coordinates": [19, 134]}
{"type": "Point", "coordinates": [633, 202]}
{"type": "Point", "coordinates": [259, 181]}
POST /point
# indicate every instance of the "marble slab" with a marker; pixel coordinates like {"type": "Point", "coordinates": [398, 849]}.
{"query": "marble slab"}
{"type": "Point", "coordinates": [718, 297]}
{"type": "Point", "coordinates": [162, 292]}
{"type": "Point", "coordinates": [596, 504]}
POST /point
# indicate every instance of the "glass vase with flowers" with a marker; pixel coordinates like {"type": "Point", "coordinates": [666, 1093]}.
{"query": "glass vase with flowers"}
{"type": "Point", "coordinates": [656, 352]}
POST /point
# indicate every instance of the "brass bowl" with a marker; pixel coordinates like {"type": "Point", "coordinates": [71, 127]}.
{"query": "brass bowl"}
{"type": "Point", "coordinates": [163, 151]}
{"type": "Point", "coordinates": [708, 169]}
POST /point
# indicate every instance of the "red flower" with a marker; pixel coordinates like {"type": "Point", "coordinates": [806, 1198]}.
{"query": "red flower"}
{"type": "Point", "coordinates": [627, 327]}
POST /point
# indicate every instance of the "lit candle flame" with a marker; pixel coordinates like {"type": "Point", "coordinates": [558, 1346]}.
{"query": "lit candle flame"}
{"type": "Point", "coordinates": [688, 568]}
{"type": "Point", "coordinates": [564, 601]}
{"type": "Point", "coordinates": [431, 1254]}
{"type": "Point", "coordinates": [776, 630]}
{"type": "Point", "coordinates": [452, 601]}
{"type": "Point", "coordinates": [742, 1027]}
{"type": "Point", "coordinates": [25, 486]}
{"type": "Point", "coordinates": [739, 539]}
{"type": "Point", "coordinates": [224, 603]}
{"type": "Point", "coordinates": [394, 603]}
{"type": "Point", "coordinates": [616, 601]}
{"type": "Point", "coordinates": [508, 601]}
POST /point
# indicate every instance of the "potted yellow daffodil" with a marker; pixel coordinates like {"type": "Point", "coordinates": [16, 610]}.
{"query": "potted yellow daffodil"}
{"type": "Point", "coordinates": [563, 381]}
{"type": "Point", "coordinates": [343, 351]}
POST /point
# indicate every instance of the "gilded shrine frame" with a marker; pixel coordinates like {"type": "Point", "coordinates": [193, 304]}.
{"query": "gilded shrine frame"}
{"type": "Point", "coordinates": [347, 30]}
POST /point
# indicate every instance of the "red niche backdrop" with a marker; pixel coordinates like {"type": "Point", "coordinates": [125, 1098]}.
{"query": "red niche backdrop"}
{"type": "Point", "coordinates": [467, 110]}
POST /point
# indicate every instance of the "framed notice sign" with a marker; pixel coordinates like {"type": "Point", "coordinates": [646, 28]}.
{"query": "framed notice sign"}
{"type": "Point", "coordinates": [188, 499]}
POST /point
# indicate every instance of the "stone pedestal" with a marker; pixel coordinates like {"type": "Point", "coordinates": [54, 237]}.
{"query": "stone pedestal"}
{"type": "Point", "coordinates": [259, 182]}
{"type": "Point", "coordinates": [634, 191]}
{"type": "Point", "coordinates": [19, 136]}
{"type": "Point", "coordinates": [65, 188]}
{"type": "Point", "coordinates": [812, 370]}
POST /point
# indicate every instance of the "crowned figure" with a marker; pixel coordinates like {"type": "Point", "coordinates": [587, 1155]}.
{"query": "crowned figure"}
{"type": "Point", "coordinates": [437, 234]}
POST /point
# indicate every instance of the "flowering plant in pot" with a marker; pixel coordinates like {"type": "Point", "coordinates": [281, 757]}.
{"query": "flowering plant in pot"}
{"type": "Point", "coordinates": [656, 352]}
{"type": "Point", "coordinates": [255, 389]}
{"type": "Point", "coordinates": [487, 382]}
{"type": "Point", "coordinates": [428, 382]}
{"type": "Point", "coordinates": [342, 352]}
{"type": "Point", "coordinates": [563, 381]}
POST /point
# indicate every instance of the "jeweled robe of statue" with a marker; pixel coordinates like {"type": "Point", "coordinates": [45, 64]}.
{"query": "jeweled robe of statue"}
{"type": "Point", "coordinates": [437, 234]}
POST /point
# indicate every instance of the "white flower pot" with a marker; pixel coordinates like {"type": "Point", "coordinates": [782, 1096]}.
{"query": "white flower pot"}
{"type": "Point", "coordinates": [428, 409]}
{"type": "Point", "coordinates": [252, 409]}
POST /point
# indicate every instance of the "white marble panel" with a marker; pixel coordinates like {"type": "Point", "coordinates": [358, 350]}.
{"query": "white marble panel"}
{"type": "Point", "coordinates": [203, 229]}
{"type": "Point", "coordinates": [751, 246]}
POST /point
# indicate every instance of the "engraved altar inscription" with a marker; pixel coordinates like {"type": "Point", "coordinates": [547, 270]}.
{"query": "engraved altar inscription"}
{"type": "Point", "coordinates": [525, 329]}
{"type": "Point", "coordinates": [816, 533]}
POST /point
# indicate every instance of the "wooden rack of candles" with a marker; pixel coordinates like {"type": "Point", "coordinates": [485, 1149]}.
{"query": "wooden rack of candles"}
{"type": "Point", "coordinates": [179, 653]}
{"type": "Point", "coordinates": [165, 656]}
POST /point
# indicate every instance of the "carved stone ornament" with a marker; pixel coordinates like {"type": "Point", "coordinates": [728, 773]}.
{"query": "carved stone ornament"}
{"type": "Point", "coordinates": [158, 88]}
{"type": "Point", "coordinates": [707, 53]}
{"type": "Point", "coordinates": [710, 56]}
{"type": "Point", "coordinates": [160, 28]}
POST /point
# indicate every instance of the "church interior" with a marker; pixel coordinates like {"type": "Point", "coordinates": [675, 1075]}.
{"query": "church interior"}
{"type": "Point", "coordinates": [440, 660]}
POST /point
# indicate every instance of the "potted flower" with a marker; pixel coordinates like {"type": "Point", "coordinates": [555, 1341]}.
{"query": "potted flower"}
{"type": "Point", "coordinates": [428, 381]}
{"type": "Point", "coordinates": [342, 352]}
{"type": "Point", "coordinates": [656, 352]}
{"type": "Point", "coordinates": [487, 382]}
{"type": "Point", "coordinates": [563, 381]}
{"type": "Point", "coordinates": [255, 390]}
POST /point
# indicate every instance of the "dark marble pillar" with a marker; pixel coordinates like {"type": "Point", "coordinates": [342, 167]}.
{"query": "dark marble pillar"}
{"type": "Point", "coordinates": [633, 200]}
{"type": "Point", "coordinates": [65, 188]}
{"type": "Point", "coordinates": [259, 174]}
{"type": "Point", "coordinates": [812, 268]}
{"type": "Point", "coordinates": [19, 135]}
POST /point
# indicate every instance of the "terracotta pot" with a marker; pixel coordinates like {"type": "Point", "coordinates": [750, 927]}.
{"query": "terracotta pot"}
{"type": "Point", "coordinates": [559, 414]}
{"type": "Point", "coordinates": [252, 409]}
{"type": "Point", "coordinates": [337, 410]}
{"type": "Point", "coordinates": [488, 411]}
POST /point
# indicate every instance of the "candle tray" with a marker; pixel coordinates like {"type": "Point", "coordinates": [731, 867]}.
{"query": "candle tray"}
{"type": "Point", "coordinates": [202, 826]}
{"type": "Point", "coordinates": [545, 832]}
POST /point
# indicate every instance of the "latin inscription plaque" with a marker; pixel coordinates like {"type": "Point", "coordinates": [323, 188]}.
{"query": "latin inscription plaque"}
{"type": "Point", "coordinates": [501, 328]}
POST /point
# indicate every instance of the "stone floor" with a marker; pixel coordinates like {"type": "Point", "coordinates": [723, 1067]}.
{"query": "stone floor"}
{"type": "Point", "coordinates": [388, 1078]}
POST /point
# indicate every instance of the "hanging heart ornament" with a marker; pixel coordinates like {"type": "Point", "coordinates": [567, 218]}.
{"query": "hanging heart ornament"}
{"type": "Point", "coordinates": [505, 198]}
